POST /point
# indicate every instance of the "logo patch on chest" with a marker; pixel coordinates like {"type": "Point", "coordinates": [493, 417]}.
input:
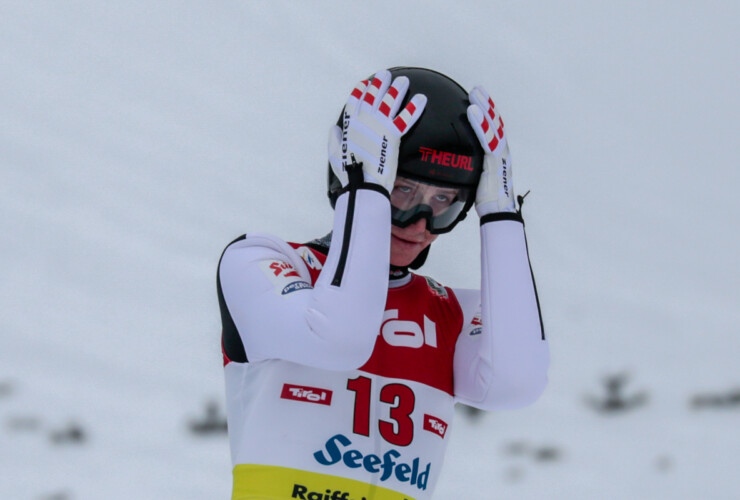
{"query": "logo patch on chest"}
{"type": "Point", "coordinates": [435, 425]}
{"type": "Point", "coordinates": [306, 394]}
{"type": "Point", "coordinates": [407, 333]}
{"type": "Point", "coordinates": [436, 287]}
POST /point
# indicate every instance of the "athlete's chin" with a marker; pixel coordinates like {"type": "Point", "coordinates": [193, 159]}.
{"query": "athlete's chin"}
{"type": "Point", "coordinates": [401, 261]}
{"type": "Point", "coordinates": [404, 252]}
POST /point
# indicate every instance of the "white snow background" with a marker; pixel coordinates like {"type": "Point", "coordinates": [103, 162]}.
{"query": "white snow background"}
{"type": "Point", "coordinates": [138, 138]}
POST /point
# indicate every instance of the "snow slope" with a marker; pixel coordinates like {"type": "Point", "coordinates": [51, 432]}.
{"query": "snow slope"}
{"type": "Point", "coordinates": [138, 138]}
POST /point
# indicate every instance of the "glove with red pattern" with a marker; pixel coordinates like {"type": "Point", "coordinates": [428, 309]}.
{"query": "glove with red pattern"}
{"type": "Point", "coordinates": [372, 129]}
{"type": "Point", "coordinates": [495, 189]}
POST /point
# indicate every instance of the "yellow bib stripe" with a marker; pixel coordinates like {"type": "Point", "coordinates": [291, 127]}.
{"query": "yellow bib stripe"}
{"type": "Point", "coordinates": [265, 482]}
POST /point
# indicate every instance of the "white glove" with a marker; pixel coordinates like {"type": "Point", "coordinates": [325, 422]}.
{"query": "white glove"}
{"type": "Point", "coordinates": [495, 190]}
{"type": "Point", "coordinates": [371, 132]}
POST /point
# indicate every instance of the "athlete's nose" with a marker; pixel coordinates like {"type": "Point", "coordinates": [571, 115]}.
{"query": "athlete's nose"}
{"type": "Point", "coordinates": [419, 226]}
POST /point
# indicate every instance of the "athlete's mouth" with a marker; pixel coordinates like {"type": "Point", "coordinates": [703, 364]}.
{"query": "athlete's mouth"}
{"type": "Point", "coordinates": [405, 240]}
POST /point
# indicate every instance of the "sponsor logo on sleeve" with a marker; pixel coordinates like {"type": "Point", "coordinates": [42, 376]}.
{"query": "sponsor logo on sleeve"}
{"type": "Point", "coordinates": [306, 394]}
{"type": "Point", "coordinates": [283, 276]}
{"type": "Point", "coordinates": [477, 325]}
{"type": "Point", "coordinates": [283, 269]}
{"type": "Point", "coordinates": [435, 425]}
{"type": "Point", "coordinates": [295, 286]}
{"type": "Point", "coordinates": [309, 258]}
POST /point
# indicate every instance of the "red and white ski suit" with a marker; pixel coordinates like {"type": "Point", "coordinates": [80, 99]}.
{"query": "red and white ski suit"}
{"type": "Point", "coordinates": [341, 383]}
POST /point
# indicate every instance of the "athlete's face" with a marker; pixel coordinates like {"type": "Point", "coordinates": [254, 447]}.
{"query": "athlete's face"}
{"type": "Point", "coordinates": [408, 242]}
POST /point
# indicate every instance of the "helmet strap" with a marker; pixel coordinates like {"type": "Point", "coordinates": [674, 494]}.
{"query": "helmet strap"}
{"type": "Point", "coordinates": [398, 272]}
{"type": "Point", "coordinates": [421, 258]}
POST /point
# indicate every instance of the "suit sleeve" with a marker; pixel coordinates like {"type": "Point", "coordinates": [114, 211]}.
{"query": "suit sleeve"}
{"type": "Point", "coordinates": [501, 356]}
{"type": "Point", "coordinates": [332, 324]}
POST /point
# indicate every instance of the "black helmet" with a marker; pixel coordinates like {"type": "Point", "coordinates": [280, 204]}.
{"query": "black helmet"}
{"type": "Point", "coordinates": [441, 150]}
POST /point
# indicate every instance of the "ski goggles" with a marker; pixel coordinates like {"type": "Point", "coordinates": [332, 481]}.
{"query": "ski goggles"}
{"type": "Point", "coordinates": [443, 206]}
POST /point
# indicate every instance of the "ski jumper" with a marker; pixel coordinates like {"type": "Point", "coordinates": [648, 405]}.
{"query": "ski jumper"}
{"type": "Point", "coordinates": [340, 382]}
